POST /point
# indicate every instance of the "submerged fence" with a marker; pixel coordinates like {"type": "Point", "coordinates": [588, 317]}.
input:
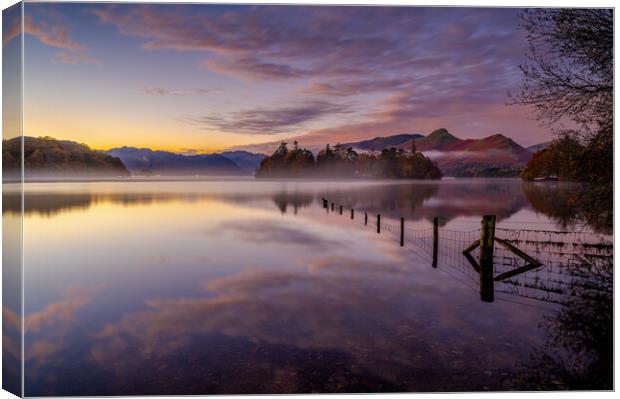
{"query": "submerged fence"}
{"type": "Point", "coordinates": [536, 264]}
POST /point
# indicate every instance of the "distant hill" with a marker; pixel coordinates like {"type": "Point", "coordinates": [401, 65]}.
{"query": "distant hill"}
{"type": "Point", "coordinates": [379, 143]}
{"type": "Point", "coordinates": [537, 147]}
{"type": "Point", "coordinates": [144, 161]}
{"type": "Point", "coordinates": [438, 140]}
{"type": "Point", "coordinates": [48, 157]}
{"type": "Point", "coordinates": [495, 155]}
{"type": "Point", "coordinates": [247, 161]}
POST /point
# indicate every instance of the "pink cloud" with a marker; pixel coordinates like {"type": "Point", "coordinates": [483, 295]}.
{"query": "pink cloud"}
{"type": "Point", "coordinates": [161, 91]}
{"type": "Point", "coordinates": [268, 120]}
{"type": "Point", "coordinates": [449, 67]}
{"type": "Point", "coordinates": [248, 67]}
{"type": "Point", "coordinates": [54, 36]}
{"type": "Point", "coordinates": [63, 310]}
{"type": "Point", "coordinates": [75, 58]}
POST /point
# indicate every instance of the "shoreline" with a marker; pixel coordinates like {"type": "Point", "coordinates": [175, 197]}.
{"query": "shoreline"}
{"type": "Point", "coordinates": [250, 179]}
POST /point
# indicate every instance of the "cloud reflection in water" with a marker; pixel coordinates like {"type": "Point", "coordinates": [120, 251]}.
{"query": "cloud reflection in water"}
{"type": "Point", "coordinates": [397, 339]}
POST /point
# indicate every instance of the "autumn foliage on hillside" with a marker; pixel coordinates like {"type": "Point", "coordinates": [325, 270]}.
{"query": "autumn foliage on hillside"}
{"type": "Point", "coordinates": [560, 159]}
{"type": "Point", "coordinates": [344, 162]}
{"type": "Point", "coordinates": [46, 156]}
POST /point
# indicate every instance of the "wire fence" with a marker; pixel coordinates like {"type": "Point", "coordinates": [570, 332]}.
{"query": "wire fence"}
{"type": "Point", "coordinates": [557, 253]}
{"type": "Point", "coordinates": [560, 254]}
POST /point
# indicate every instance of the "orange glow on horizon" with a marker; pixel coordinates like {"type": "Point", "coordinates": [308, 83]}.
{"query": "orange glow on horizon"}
{"type": "Point", "coordinates": [158, 139]}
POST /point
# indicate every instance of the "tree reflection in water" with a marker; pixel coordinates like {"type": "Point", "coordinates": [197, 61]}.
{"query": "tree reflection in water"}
{"type": "Point", "coordinates": [572, 204]}
{"type": "Point", "coordinates": [296, 199]}
{"type": "Point", "coordinates": [578, 354]}
{"type": "Point", "coordinates": [568, 205]}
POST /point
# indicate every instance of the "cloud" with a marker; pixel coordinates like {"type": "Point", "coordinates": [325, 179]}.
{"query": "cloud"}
{"type": "Point", "coordinates": [266, 41]}
{"type": "Point", "coordinates": [53, 36]}
{"type": "Point", "coordinates": [435, 67]}
{"type": "Point", "coordinates": [75, 58]}
{"type": "Point", "coordinates": [377, 316]}
{"type": "Point", "coordinates": [12, 29]}
{"type": "Point", "coordinates": [160, 91]}
{"type": "Point", "coordinates": [63, 310]}
{"type": "Point", "coordinates": [266, 121]}
{"type": "Point", "coordinates": [296, 41]}
{"type": "Point", "coordinates": [269, 231]}
{"type": "Point", "coordinates": [190, 151]}
{"type": "Point", "coordinates": [473, 116]}
{"type": "Point", "coordinates": [436, 155]}
{"type": "Point", "coordinates": [10, 318]}
{"type": "Point", "coordinates": [357, 86]}
{"type": "Point", "coordinates": [248, 67]}
{"type": "Point", "coordinates": [47, 329]}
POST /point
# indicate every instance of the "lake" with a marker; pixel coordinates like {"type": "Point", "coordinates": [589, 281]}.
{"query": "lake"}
{"type": "Point", "coordinates": [243, 286]}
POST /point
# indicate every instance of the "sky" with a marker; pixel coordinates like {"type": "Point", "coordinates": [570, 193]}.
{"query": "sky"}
{"type": "Point", "coordinates": [204, 78]}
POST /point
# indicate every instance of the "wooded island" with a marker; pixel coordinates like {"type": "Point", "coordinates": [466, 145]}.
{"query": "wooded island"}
{"type": "Point", "coordinates": [344, 162]}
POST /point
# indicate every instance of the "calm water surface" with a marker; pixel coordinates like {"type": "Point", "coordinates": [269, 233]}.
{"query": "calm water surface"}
{"type": "Point", "coordinates": [252, 287]}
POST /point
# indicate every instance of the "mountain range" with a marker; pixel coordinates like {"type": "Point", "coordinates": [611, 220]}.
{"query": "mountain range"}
{"type": "Point", "coordinates": [247, 161]}
{"type": "Point", "coordinates": [492, 156]}
{"type": "Point", "coordinates": [379, 143]}
{"type": "Point", "coordinates": [144, 161]}
{"type": "Point", "coordinates": [46, 157]}
{"type": "Point", "coordinates": [537, 147]}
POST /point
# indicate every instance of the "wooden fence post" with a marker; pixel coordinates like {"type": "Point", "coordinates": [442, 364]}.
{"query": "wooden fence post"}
{"type": "Point", "coordinates": [352, 213]}
{"type": "Point", "coordinates": [365, 218]}
{"type": "Point", "coordinates": [435, 240]}
{"type": "Point", "coordinates": [402, 232]}
{"type": "Point", "coordinates": [487, 241]}
{"type": "Point", "coordinates": [378, 223]}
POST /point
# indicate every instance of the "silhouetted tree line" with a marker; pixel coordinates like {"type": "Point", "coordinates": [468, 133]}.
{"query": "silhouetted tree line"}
{"type": "Point", "coordinates": [344, 162]}
{"type": "Point", "coordinates": [569, 77]}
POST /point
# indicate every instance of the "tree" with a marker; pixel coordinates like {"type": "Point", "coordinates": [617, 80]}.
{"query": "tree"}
{"type": "Point", "coordinates": [284, 162]}
{"type": "Point", "coordinates": [569, 77]}
{"type": "Point", "coordinates": [344, 162]}
{"type": "Point", "coordinates": [560, 159]}
{"type": "Point", "coordinates": [570, 68]}
{"type": "Point", "coordinates": [282, 149]}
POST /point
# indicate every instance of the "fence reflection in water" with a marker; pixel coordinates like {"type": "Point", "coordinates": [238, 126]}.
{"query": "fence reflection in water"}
{"type": "Point", "coordinates": [534, 264]}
